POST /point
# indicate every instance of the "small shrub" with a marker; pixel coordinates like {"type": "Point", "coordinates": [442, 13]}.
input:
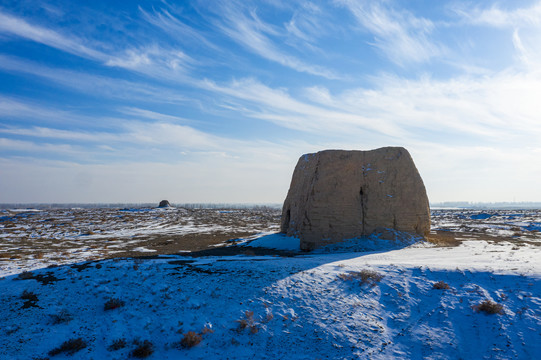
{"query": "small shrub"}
{"type": "Point", "coordinates": [490, 307]}
{"type": "Point", "coordinates": [269, 317]}
{"type": "Point", "coordinates": [69, 347]}
{"type": "Point", "coordinates": [29, 295]}
{"type": "Point", "coordinates": [369, 277]}
{"type": "Point", "coordinates": [248, 322]}
{"type": "Point", "coordinates": [206, 330]}
{"type": "Point", "coordinates": [113, 303]}
{"type": "Point", "coordinates": [243, 324]}
{"type": "Point", "coordinates": [441, 285]}
{"type": "Point", "coordinates": [61, 318]}
{"type": "Point", "coordinates": [30, 299]}
{"type": "Point", "coordinates": [190, 339]}
{"type": "Point", "coordinates": [144, 349]}
{"type": "Point", "coordinates": [117, 345]}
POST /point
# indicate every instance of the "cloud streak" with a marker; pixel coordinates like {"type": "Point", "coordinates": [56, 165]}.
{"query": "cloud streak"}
{"type": "Point", "coordinates": [19, 27]}
{"type": "Point", "coordinates": [498, 17]}
{"type": "Point", "coordinates": [401, 36]}
{"type": "Point", "coordinates": [96, 85]}
{"type": "Point", "coordinates": [247, 29]}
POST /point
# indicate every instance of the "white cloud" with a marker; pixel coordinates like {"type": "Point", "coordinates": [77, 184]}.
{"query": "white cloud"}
{"type": "Point", "coordinates": [153, 115]}
{"type": "Point", "coordinates": [131, 134]}
{"type": "Point", "coordinates": [499, 17]}
{"type": "Point", "coordinates": [401, 36]}
{"type": "Point", "coordinates": [51, 133]}
{"type": "Point", "coordinates": [151, 60]}
{"type": "Point", "coordinates": [154, 61]}
{"type": "Point", "coordinates": [28, 111]}
{"type": "Point", "coordinates": [255, 35]}
{"type": "Point", "coordinates": [32, 147]}
{"type": "Point", "coordinates": [524, 22]}
{"type": "Point", "coordinates": [176, 28]}
{"type": "Point", "coordinates": [279, 107]}
{"type": "Point", "coordinates": [19, 27]}
{"type": "Point", "coordinates": [110, 87]}
{"type": "Point", "coordinates": [498, 110]}
{"type": "Point", "coordinates": [310, 22]}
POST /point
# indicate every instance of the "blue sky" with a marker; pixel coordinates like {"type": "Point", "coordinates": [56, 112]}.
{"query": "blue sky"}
{"type": "Point", "coordinates": [204, 101]}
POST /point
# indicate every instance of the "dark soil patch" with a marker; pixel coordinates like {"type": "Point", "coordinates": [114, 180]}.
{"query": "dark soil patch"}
{"type": "Point", "coordinates": [44, 279]}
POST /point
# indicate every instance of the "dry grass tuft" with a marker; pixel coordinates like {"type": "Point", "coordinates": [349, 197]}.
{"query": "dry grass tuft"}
{"type": "Point", "coordinates": [248, 322]}
{"type": "Point", "coordinates": [29, 295]}
{"type": "Point", "coordinates": [30, 299]}
{"type": "Point", "coordinates": [490, 307]}
{"type": "Point", "coordinates": [69, 347]}
{"type": "Point", "coordinates": [144, 349]}
{"type": "Point", "coordinates": [63, 317]}
{"type": "Point", "coordinates": [206, 330]}
{"type": "Point", "coordinates": [369, 277]}
{"type": "Point", "coordinates": [113, 303]}
{"type": "Point", "coordinates": [117, 344]}
{"type": "Point", "coordinates": [444, 239]}
{"type": "Point", "coordinates": [269, 317]}
{"type": "Point", "coordinates": [441, 285]}
{"type": "Point", "coordinates": [190, 339]}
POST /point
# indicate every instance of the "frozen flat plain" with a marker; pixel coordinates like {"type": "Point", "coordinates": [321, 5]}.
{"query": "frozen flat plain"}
{"type": "Point", "coordinates": [35, 238]}
{"type": "Point", "coordinates": [344, 304]}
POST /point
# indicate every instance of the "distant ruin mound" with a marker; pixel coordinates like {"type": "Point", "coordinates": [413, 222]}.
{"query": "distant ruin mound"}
{"type": "Point", "coordinates": [164, 204]}
{"type": "Point", "coordinates": [336, 195]}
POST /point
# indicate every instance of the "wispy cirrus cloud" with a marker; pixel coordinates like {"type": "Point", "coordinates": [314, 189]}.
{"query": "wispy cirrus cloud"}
{"type": "Point", "coordinates": [138, 130]}
{"type": "Point", "coordinates": [19, 27]}
{"type": "Point", "coordinates": [176, 28]}
{"type": "Point", "coordinates": [91, 84]}
{"type": "Point", "coordinates": [246, 28]}
{"type": "Point", "coordinates": [151, 60]}
{"type": "Point", "coordinates": [30, 112]}
{"type": "Point", "coordinates": [154, 61]}
{"type": "Point", "coordinates": [523, 22]}
{"type": "Point", "coordinates": [499, 109]}
{"type": "Point", "coordinates": [497, 16]}
{"type": "Point", "coordinates": [399, 34]}
{"type": "Point", "coordinates": [309, 22]}
{"type": "Point", "coordinates": [278, 106]}
{"type": "Point", "coordinates": [43, 148]}
{"type": "Point", "coordinates": [153, 115]}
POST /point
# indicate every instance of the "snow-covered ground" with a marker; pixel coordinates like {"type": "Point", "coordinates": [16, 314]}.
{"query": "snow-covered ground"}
{"type": "Point", "coordinates": [327, 305]}
{"type": "Point", "coordinates": [523, 224]}
{"type": "Point", "coordinates": [32, 238]}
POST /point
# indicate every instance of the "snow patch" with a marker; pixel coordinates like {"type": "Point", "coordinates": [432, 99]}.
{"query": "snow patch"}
{"type": "Point", "coordinates": [276, 241]}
